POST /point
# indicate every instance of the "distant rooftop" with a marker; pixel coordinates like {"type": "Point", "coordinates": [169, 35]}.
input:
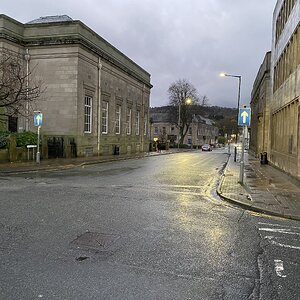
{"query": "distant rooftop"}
{"type": "Point", "coordinates": [51, 19]}
{"type": "Point", "coordinates": [204, 120]}
{"type": "Point", "coordinates": [160, 117]}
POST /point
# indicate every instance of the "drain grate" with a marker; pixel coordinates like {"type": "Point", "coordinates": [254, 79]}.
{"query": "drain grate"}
{"type": "Point", "coordinates": [81, 258]}
{"type": "Point", "coordinates": [95, 240]}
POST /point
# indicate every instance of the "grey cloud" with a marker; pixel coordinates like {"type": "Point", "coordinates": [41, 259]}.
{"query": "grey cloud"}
{"type": "Point", "coordinates": [172, 39]}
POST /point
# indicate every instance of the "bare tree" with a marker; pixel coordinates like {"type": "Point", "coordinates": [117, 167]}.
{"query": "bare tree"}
{"type": "Point", "coordinates": [183, 95]}
{"type": "Point", "coordinates": [17, 92]}
{"type": "Point", "coordinates": [204, 101]}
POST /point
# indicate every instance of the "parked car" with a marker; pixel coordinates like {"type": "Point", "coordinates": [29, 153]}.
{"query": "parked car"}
{"type": "Point", "coordinates": [206, 147]}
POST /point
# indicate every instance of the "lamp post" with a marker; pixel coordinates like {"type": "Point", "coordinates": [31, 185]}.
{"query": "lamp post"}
{"type": "Point", "coordinates": [186, 101]}
{"type": "Point", "coordinates": [244, 127]}
{"type": "Point", "coordinates": [179, 120]}
{"type": "Point", "coordinates": [27, 59]}
{"type": "Point", "coordinates": [239, 77]}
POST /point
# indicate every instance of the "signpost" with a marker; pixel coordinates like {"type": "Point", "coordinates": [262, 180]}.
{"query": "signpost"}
{"type": "Point", "coordinates": [244, 120]}
{"type": "Point", "coordinates": [244, 116]}
{"type": "Point", "coordinates": [38, 121]}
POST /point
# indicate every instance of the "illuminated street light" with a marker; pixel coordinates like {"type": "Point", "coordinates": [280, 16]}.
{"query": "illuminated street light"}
{"type": "Point", "coordinates": [239, 96]}
{"type": "Point", "coordinates": [187, 101]}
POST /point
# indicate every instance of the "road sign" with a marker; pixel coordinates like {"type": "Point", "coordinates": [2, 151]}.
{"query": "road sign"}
{"type": "Point", "coordinates": [38, 119]}
{"type": "Point", "coordinates": [244, 116]}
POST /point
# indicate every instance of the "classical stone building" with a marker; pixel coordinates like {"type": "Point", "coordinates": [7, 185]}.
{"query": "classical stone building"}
{"type": "Point", "coordinates": [285, 75]}
{"type": "Point", "coordinates": [96, 99]}
{"type": "Point", "coordinates": [260, 108]}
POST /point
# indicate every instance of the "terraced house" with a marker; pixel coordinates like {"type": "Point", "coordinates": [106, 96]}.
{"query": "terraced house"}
{"type": "Point", "coordinates": [96, 99]}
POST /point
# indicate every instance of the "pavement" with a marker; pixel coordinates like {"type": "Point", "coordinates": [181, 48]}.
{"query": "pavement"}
{"type": "Point", "coordinates": [265, 189]}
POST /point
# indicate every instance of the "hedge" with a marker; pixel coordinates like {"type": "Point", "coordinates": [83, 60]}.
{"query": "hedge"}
{"type": "Point", "coordinates": [23, 138]}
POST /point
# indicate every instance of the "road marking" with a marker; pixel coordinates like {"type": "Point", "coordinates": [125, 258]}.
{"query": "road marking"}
{"type": "Point", "coordinates": [279, 230]}
{"type": "Point", "coordinates": [279, 268]}
{"type": "Point", "coordinates": [278, 225]}
{"type": "Point", "coordinates": [286, 230]}
{"type": "Point", "coordinates": [270, 238]}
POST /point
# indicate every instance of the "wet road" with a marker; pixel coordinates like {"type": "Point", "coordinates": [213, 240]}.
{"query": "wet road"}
{"type": "Point", "coordinates": [150, 228]}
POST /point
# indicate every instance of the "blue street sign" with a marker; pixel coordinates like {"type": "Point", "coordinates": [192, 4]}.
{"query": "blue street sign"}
{"type": "Point", "coordinates": [244, 116]}
{"type": "Point", "coordinates": [38, 119]}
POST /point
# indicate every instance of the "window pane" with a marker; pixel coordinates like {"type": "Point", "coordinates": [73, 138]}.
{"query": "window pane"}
{"type": "Point", "coordinates": [128, 121]}
{"type": "Point", "coordinates": [104, 117]}
{"type": "Point", "coordinates": [87, 114]}
{"type": "Point", "coordinates": [118, 119]}
{"type": "Point", "coordinates": [137, 123]}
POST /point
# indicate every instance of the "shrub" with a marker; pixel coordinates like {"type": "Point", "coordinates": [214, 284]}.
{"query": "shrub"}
{"type": "Point", "coordinates": [221, 140]}
{"type": "Point", "coordinates": [3, 141]}
{"type": "Point", "coordinates": [23, 138]}
{"type": "Point", "coordinates": [26, 138]}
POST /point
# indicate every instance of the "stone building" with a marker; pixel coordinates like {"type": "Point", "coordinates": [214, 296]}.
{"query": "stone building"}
{"type": "Point", "coordinates": [96, 99]}
{"type": "Point", "coordinates": [202, 131]}
{"type": "Point", "coordinates": [260, 108]}
{"type": "Point", "coordinates": [285, 76]}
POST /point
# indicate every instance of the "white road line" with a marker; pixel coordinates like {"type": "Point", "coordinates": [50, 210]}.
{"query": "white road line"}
{"type": "Point", "coordinates": [286, 231]}
{"type": "Point", "coordinates": [270, 238]}
{"type": "Point", "coordinates": [284, 245]}
{"type": "Point", "coordinates": [279, 267]}
{"type": "Point", "coordinates": [278, 225]}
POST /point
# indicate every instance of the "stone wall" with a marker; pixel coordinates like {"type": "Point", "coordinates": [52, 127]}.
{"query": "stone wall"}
{"type": "Point", "coordinates": [71, 61]}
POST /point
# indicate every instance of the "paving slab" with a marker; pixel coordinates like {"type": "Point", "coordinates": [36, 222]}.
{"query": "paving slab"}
{"type": "Point", "coordinates": [265, 188]}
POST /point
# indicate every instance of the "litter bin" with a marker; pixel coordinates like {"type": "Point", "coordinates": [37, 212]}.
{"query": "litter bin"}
{"type": "Point", "coordinates": [264, 158]}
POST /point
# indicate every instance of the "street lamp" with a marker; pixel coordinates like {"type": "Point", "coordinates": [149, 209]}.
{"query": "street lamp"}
{"type": "Point", "coordinates": [243, 140]}
{"type": "Point", "coordinates": [187, 101]}
{"type": "Point", "coordinates": [239, 97]}
{"type": "Point", "coordinates": [27, 59]}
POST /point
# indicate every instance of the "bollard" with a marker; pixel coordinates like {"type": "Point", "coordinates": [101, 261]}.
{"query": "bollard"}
{"type": "Point", "coordinates": [235, 152]}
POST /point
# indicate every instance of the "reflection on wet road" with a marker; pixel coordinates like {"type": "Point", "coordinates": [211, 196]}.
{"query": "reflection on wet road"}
{"type": "Point", "coordinates": [175, 238]}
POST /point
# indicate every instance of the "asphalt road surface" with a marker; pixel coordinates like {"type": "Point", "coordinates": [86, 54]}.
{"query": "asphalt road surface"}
{"type": "Point", "coordinates": [149, 228]}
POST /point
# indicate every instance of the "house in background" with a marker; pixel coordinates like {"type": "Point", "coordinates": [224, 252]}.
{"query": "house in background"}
{"type": "Point", "coordinates": [202, 130]}
{"type": "Point", "coordinates": [96, 99]}
{"type": "Point", "coordinates": [162, 129]}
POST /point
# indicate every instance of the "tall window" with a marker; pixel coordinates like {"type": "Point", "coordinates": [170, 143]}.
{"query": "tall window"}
{"type": "Point", "coordinates": [88, 114]}
{"type": "Point", "coordinates": [104, 110]}
{"type": "Point", "coordinates": [128, 121]}
{"type": "Point", "coordinates": [12, 124]}
{"type": "Point", "coordinates": [145, 124]}
{"type": "Point", "coordinates": [118, 119]}
{"type": "Point", "coordinates": [137, 123]}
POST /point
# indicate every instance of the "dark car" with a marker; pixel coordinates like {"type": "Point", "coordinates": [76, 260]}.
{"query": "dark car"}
{"type": "Point", "coordinates": [206, 147]}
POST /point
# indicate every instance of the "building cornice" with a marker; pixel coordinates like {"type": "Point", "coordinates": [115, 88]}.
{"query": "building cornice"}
{"type": "Point", "coordinates": [69, 33]}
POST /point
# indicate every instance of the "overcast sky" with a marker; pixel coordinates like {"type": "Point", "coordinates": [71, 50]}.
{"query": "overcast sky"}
{"type": "Point", "coordinates": [175, 39]}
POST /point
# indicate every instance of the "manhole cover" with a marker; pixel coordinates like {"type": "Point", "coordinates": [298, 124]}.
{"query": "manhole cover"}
{"type": "Point", "coordinates": [95, 240]}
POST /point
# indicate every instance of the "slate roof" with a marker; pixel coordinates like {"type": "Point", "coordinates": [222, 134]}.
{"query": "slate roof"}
{"type": "Point", "coordinates": [51, 19]}
{"type": "Point", "coordinates": [207, 121]}
{"type": "Point", "coordinates": [160, 117]}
